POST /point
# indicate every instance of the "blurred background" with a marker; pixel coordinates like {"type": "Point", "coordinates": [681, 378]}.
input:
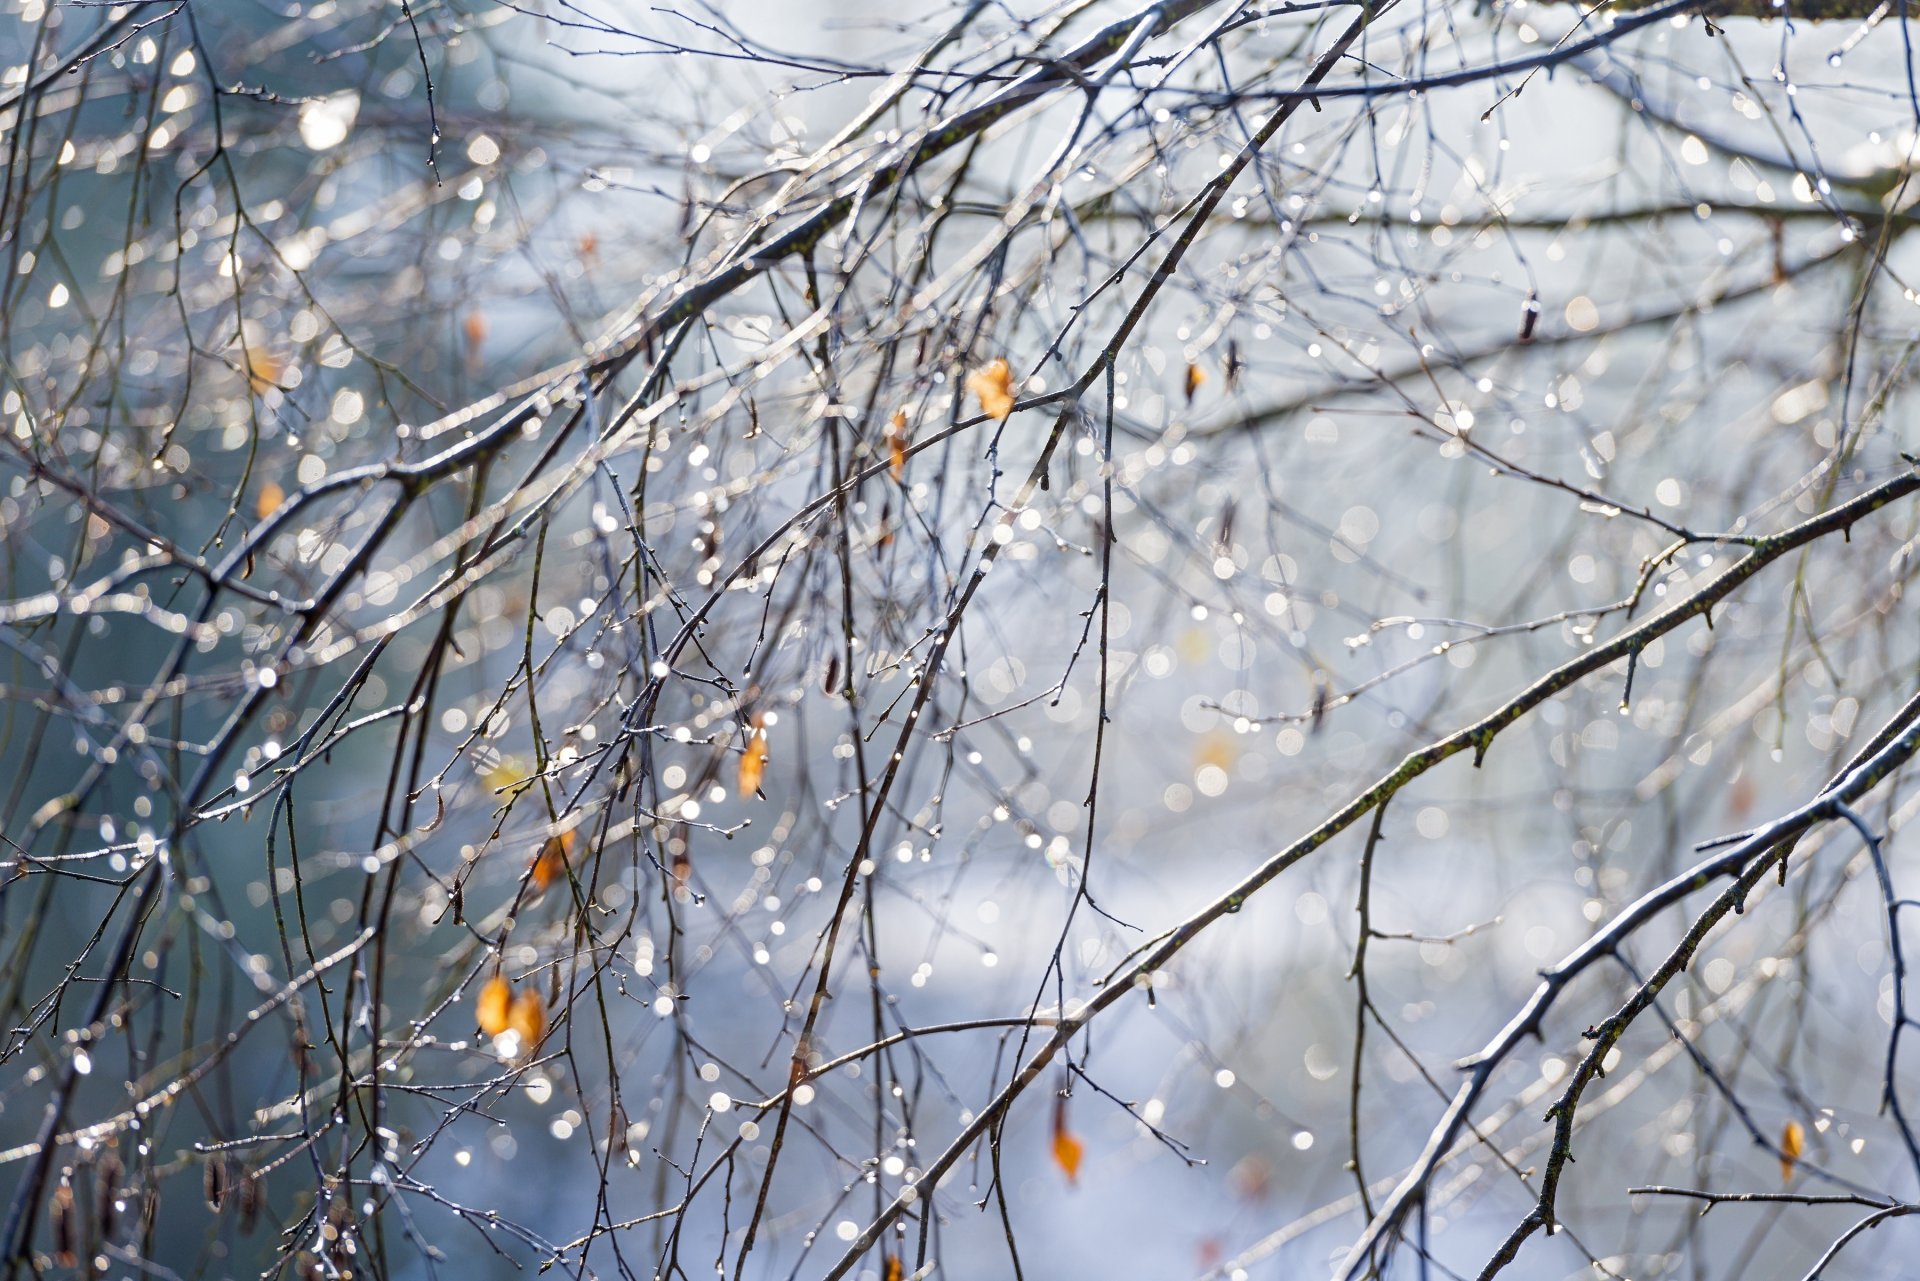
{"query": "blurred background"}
{"type": "Point", "coordinates": [544, 679]}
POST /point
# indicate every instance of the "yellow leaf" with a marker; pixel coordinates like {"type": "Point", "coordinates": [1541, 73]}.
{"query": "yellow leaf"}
{"type": "Point", "coordinates": [271, 496]}
{"type": "Point", "coordinates": [1194, 645]}
{"type": "Point", "coordinates": [1196, 377]}
{"type": "Point", "coordinates": [490, 1008]}
{"type": "Point", "coordinates": [264, 370]}
{"type": "Point", "coordinates": [528, 1017]}
{"type": "Point", "coordinates": [1793, 1141]}
{"type": "Point", "coordinates": [895, 438]}
{"type": "Point", "coordinates": [753, 762]}
{"type": "Point", "coordinates": [1218, 749]}
{"type": "Point", "coordinates": [508, 774]}
{"type": "Point", "coordinates": [992, 385]}
{"type": "Point", "coordinates": [1067, 1150]}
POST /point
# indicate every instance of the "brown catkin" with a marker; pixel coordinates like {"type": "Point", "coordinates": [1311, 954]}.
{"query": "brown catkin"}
{"type": "Point", "coordinates": [106, 1193]}
{"type": "Point", "coordinates": [246, 1195]}
{"type": "Point", "coordinates": [215, 1182]}
{"type": "Point", "coordinates": [66, 1233]}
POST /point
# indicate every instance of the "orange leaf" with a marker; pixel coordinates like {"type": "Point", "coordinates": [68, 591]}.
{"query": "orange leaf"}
{"type": "Point", "coordinates": [1252, 1177]}
{"type": "Point", "coordinates": [895, 438]}
{"type": "Point", "coordinates": [474, 328]}
{"type": "Point", "coordinates": [264, 370]}
{"type": "Point", "coordinates": [490, 1008]}
{"type": "Point", "coordinates": [550, 864]}
{"type": "Point", "coordinates": [1793, 1141]}
{"type": "Point", "coordinates": [680, 855]}
{"type": "Point", "coordinates": [992, 384]}
{"type": "Point", "coordinates": [892, 1269]}
{"type": "Point", "coordinates": [1740, 796]}
{"type": "Point", "coordinates": [528, 1017]}
{"type": "Point", "coordinates": [753, 762]}
{"type": "Point", "coordinates": [1196, 377]}
{"type": "Point", "coordinates": [271, 496]}
{"type": "Point", "coordinates": [1067, 1150]}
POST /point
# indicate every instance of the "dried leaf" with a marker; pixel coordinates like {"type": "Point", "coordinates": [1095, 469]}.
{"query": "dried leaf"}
{"type": "Point", "coordinates": [1196, 378]}
{"type": "Point", "coordinates": [992, 385]}
{"type": "Point", "coordinates": [490, 1008]}
{"type": "Point", "coordinates": [753, 761]}
{"type": "Point", "coordinates": [891, 1269]}
{"type": "Point", "coordinates": [473, 327]}
{"type": "Point", "coordinates": [1793, 1141]}
{"type": "Point", "coordinates": [528, 1017]}
{"type": "Point", "coordinates": [1067, 1150]}
{"type": "Point", "coordinates": [550, 864]}
{"type": "Point", "coordinates": [895, 438]}
{"type": "Point", "coordinates": [271, 496]}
